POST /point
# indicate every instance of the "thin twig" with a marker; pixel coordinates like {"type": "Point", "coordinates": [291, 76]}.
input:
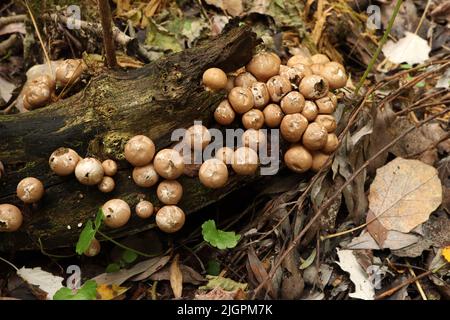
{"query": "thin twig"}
{"type": "Point", "coordinates": [417, 282]}
{"type": "Point", "coordinates": [127, 248]}
{"type": "Point", "coordinates": [106, 18]}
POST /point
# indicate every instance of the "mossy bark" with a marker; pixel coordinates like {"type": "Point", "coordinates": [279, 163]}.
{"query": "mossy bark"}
{"type": "Point", "coordinates": [155, 100]}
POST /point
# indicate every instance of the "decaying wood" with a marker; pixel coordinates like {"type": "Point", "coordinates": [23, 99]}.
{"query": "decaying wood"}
{"type": "Point", "coordinates": [155, 100]}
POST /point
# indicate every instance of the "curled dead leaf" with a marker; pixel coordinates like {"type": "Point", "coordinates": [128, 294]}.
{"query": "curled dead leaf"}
{"type": "Point", "coordinates": [176, 277]}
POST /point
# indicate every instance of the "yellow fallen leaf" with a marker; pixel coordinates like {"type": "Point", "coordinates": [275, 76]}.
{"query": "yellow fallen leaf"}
{"type": "Point", "coordinates": [176, 278]}
{"type": "Point", "coordinates": [446, 253]}
{"type": "Point", "coordinates": [404, 193]}
{"type": "Point", "coordinates": [110, 292]}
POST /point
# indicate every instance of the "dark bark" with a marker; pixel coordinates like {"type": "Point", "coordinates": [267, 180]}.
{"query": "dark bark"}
{"type": "Point", "coordinates": [155, 100]}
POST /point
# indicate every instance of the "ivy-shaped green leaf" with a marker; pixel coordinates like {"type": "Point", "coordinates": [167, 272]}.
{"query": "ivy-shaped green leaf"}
{"type": "Point", "coordinates": [129, 256]}
{"type": "Point", "coordinates": [218, 238]}
{"type": "Point", "coordinates": [87, 292]}
{"type": "Point", "coordinates": [88, 233]}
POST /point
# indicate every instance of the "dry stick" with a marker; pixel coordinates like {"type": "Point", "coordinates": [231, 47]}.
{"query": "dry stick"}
{"type": "Point", "coordinates": [380, 46]}
{"type": "Point", "coordinates": [330, 200]}
{"type": "Point", "coordinates": [431, 104]}
{"type": "Point", "coordinates": [5, 45]}
{"type": "Point", "coordinates": [106, 18]}
{"type": "Point", "coordinates": [418, 285]}
{"type": "Point", "coordinates": [12, 19]}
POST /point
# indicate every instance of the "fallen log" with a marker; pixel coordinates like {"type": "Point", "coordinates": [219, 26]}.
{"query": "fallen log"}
{"type": "Point", "coordinates": [154, 100]}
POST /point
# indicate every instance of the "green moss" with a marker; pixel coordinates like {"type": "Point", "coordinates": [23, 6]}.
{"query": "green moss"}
{"type": "Point", "coordinates": [114, 143]}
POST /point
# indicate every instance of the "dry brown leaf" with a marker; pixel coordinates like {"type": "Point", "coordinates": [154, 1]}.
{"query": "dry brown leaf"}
{"type": "Point", "coordinates": [176, 278]}
{"type": "Point", "coordinates": [220, 294]}
{"type": "Point", "coordinates": [256, 267]}
{"type": "Point", "coordinates": [376, 229]}
{"type": "Point", "coordinates": [404, 193]}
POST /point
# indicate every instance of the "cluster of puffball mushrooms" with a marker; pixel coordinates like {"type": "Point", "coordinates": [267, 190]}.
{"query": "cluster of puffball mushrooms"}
{"type": "Point", "coordinates": [295, 98]}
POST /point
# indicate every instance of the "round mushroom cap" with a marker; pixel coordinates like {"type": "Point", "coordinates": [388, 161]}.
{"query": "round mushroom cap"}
{"type": "Point", "coordinates": [241, 99]}
{"type": "Point", "coordinates": [225, 154]}
{"type": "Point", "coordinates": [299, 59]}
{"type": "Point", "coordinates": [213, 173]}
{"type": "Point", "coordinates": [332, 144]}
{"type": "Point", "coordinates": [107, 184]}
{"type": "Point", "coordinates": [245, 161]}
{"type": "Point", "coordinates": [254, 139]}
{"type": "Point", "coordinates": [326, 105]}
{"type": "Point", "coordinates": [197, 137]}
{"type": "Point", "coordinates": [215, 79]}
{"type": "Point", "coordinates": [310, 110]}
{"type": "Point", "coordinates": [293, 102]}
{"type": "Point", "coordinates": [314, 137]}
{"type": "Point", "coordinates": [298, 159]}
{"type": "Point", "coordinates": [139, 150]}
{"type": "Point", "coordinates": [295, 73]}
{"type": "Point", "coordinates": [109, 167]}
{"type": "Point", "coordinates": [327, 121]}
{"type": "Point", "coordinates": [319, 58]}
{"type": "Point", "coordinates": [293, 126]}
{"type": "Point", "coordinates": [318, 160]}
{"type": "Point", "coordinates": [145, 176]}
{"type": "Point", "coordinates": [260, 94]}
{"type": "Point", "coordinates": [30, 190]}
{"type": "Point", "coordinates": [169, 164]}
{"type": "Point", "coordinates": [10, 218]}
{"type": "Point", "coordinates": [63, 161]}
{"type": "Point", "coordinates": [89, 171]}
{"type": "Point", "coordinates": [170, 219]}
{"type": "Point", "coordinates": [94, 248]}
{"type": "Point", "coordinates": [313, 87]}
{"type": "Point", "coordinates": [117, 213]}
{"type": "Point", "coordinates": [69, 71]}
{"type": "Point", "coordinates": [264, 65]}
{"type": "Point", "coordinates": [224, 113]}
{"type": "Point", "coordinates": [278, 87]}
{"type": "Point", "coordinates": [144, 209]}
{"type": "Point", "coordinates": [273, 115]}
{"type": "Point", "coordinates": [169, 192]}
{"type": "Point", "coordinates": [38, 92]}
{"type": "Point", "coordinates": [244, 79]}
{"type": "Point", "coordinates": [253, 119]}
{"type": "Point", "coordinates": [334, 74]}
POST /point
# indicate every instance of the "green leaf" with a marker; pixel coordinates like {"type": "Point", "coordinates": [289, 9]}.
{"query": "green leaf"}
{"type": "Point", "coordinates": [405, 66]}
{"type": "Point", "coordinates": [129, 256]}
{"type": "Point", "coordinates": [218, 238]}
{"type": "Point", "coordinates": [306, 263]}
{"type": "Point", "coordinates": [112, 267]}
{"type": "Point", "coordinates": [420, 84]}
{"type": "Point", "coordinates": [87, 292]}
{"type": "Point", "coordinates": [99, 219]}
{"type": "Point", "coordinates": [224, 283]}
{"type": "Point", "coordinates": [213, 267]}
{"type": "Point", "coordinates": [86, 237]}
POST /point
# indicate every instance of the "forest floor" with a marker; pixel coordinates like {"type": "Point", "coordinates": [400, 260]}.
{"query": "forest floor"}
{"type": "Point", "coordinates": [314, 236]}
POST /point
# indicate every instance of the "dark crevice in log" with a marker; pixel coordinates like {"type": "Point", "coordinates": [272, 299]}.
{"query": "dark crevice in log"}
{"type": "Point", "coordinates": [154, 100]}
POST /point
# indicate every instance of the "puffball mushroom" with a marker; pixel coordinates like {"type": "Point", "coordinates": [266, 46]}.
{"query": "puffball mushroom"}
{"type": "Point", "coordinates": [213, 173]}
{"type": "Point", "coordinates": [293, 126]}
{"type": "Point", "coordinates": [224, 154]}
{"type": "Point", "coordinates": [278, 87]}
{"type": "Point", "coordinates": [169, 164]}
{"type": "Point", "coordinates": [10, 218]}
{"type": "Point", "coordinates": [295, 73]}
{"type": "Point", "coordinates": [245, 161]}
{"type": "Point", "coordinates": [117, 213]}
{"type": "Point", "coordinates": [63, 161]}
{"type": "Point", "coordinates": [299, 59]}
{"type": "Point", "coordinates": [139, 150]}
{"type": "Point", "coordinates": [145, 176]}
{"type": "Point", "coordinates": [106, 185]}
{"type": "Point", "coordinates": [310, 110]}
{"type": "Point", "coordinates": [169, 192]}
{"type": "Point", "coordinates": [144, 209]}
{"type": "Point", "coordinates": [264, 65]}
{"type": "Point", "coordinates": [319, 58]}
{"type": "Point", "coordinates": [215, 79]}
{"type": "Point", "coordinates": [260, 94]}
{"type": "Point", "coordinates": [109, 167]}
{"type": "Point", "coordinates": [93, 249]}
{"type": "Point", "coordinates": [313, 87]}
{"type": "Point", "coordinates": [241, 99]}
{"type": "Point", "coordinates": [273, 115]}
{"type": "Point", "coordinates": [334, 74]}
{"type": "Point", "coordinates": [197, 137]}
{"type": "Point", "coordinates": [38, 92]}
{"type": "Point", "coordinates": [170, 219]}
{"type": "Point", "coordinates": [244, 79]}
{"type": "Point", "coordinates": [69, 71]}
{"type": "Point", "coordinates": [318, 160]}
{"type": "Point", "coordinates": [224, 113]}
{"type": "Point", "coordinates": [298, 158]}
{"type": "Point", "coordinates": [293, 102]}
{"type": "Point", "coordinates": [331, 144]}
{"type": "Point", "coordinates": [30, 190]}
{"type": "Point", "coordinates": [89, 171]}
{"type": "Point", "coordinates": [254, 139]}
{"type": "Point", "coordinates": [315, 136]}
{"type": "Point", "coordinates": [253, 119]}
{"type": "Point", "coordinates": [326, 105]}
{"type": "Point", "coordinates": [327, 121]}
